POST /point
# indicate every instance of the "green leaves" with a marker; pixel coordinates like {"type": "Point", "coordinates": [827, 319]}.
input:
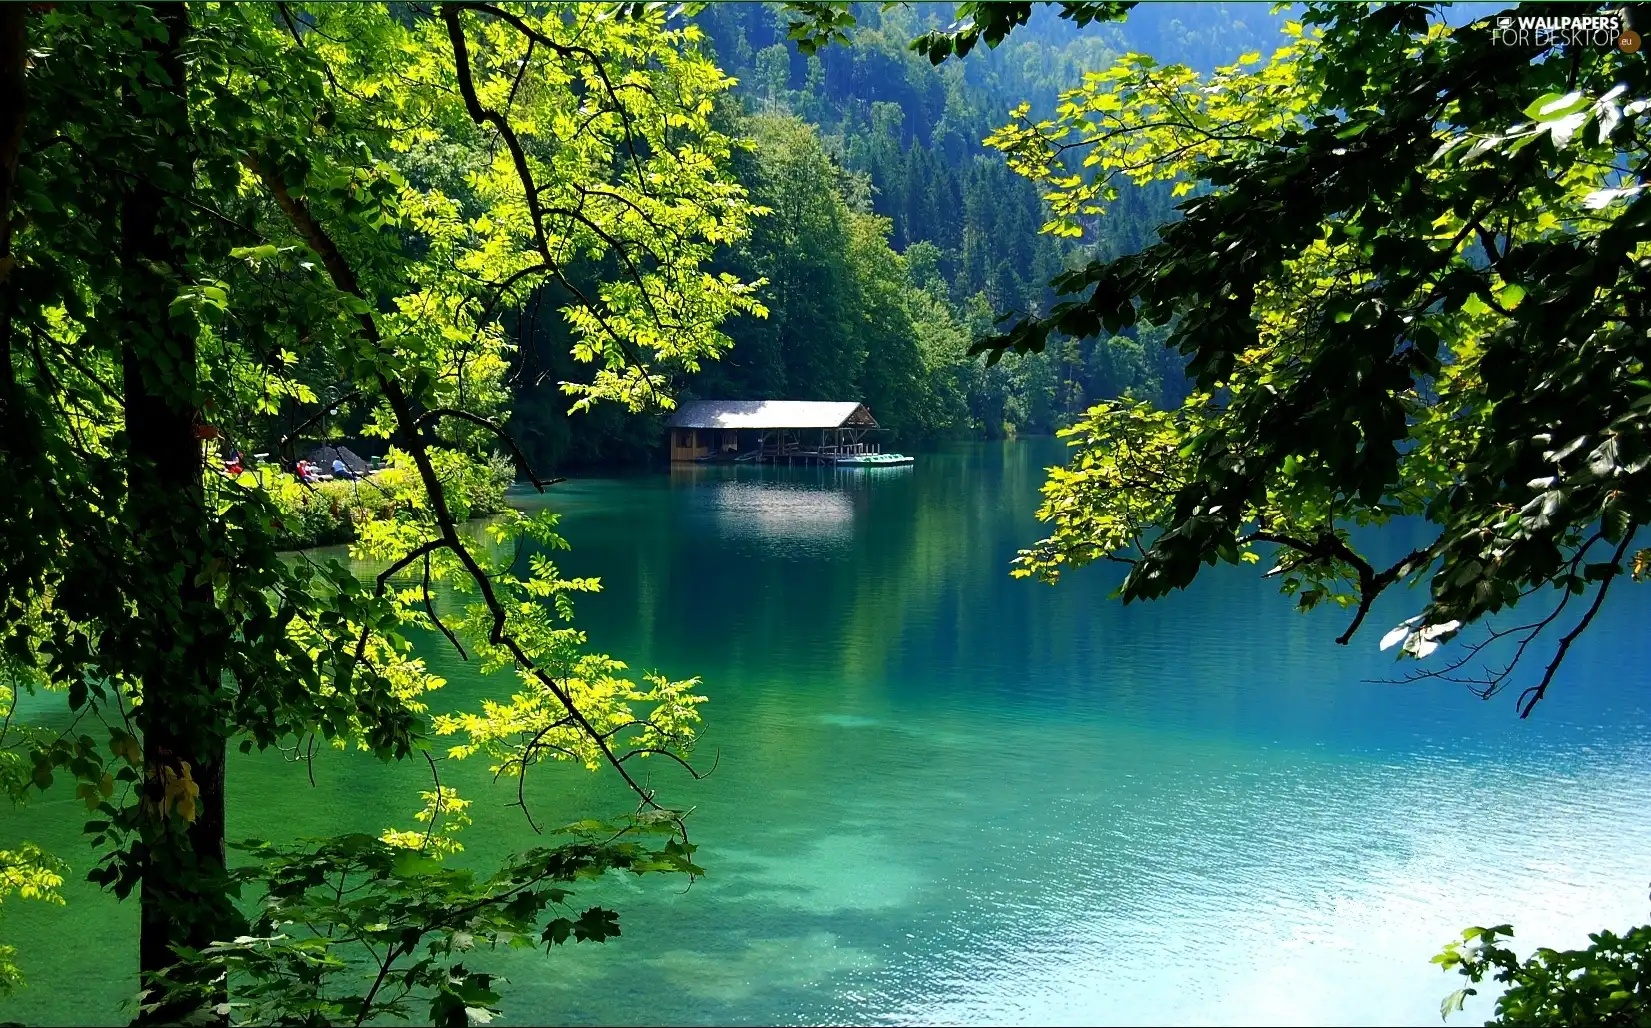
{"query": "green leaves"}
{"type": "Point", "coordinates": [1141, 122]}
{"type": "Point", "coordinates": [263, 252]}
{"type": "Point", "coordinates": [993, 21]}
{"type": "Point", "coordinates": [1406, 282]}
{"type": "Point", "coordinates": [1553, 106]}
{"type": "Point", "coordinates": [813, 26]}
{"type": "Point", "coordinates": [1607, 983]}
{"type": "Point", "coordinates": [1118, 486]}
{"type": "Point", "coordinates": [332, 909]}
{"type": "Point", "coordinates": [594, 925]}
{"type": "Point", "coordinates": [27, 872]}
{"type": "Point", "coordinates": [358, 199]}
{"type": "Point", "coordinates": [201, 298]}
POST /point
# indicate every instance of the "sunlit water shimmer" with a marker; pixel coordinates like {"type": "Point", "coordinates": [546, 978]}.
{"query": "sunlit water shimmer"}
{"type": "Point", "coordinates": [945, 796]}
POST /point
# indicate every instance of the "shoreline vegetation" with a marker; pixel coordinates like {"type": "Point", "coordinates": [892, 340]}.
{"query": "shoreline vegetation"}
{"type": "Point", "coordinates": [332, 512]}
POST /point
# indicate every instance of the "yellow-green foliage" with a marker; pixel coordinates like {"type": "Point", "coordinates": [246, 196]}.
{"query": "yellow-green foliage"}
{"type": "Point", "coordinates": [571, 704]}
{"type": "Point", "coordinates": [331, 512]}
{"type": "Point", "coordinates": [358, 196]}
{"type": "Point", "coordinates": [1142, 122]}
{"type": "Point", "coordinates": [28, 873]}
{"type": "Point", "coordinates": [443, 816]}
{"type": "Point", "coordinates": [1125, 469]}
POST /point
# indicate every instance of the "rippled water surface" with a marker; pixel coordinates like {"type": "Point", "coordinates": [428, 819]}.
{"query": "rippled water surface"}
{"type": "Point", "coordinates": [945, 796]}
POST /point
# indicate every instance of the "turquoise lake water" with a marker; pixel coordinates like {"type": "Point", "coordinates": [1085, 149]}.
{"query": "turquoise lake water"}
{"type": "Point", "coordinates": [946, 796]}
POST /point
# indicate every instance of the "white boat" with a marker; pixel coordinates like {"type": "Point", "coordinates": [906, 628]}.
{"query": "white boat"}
{"type": "Point", "coordinates": [874, 460]}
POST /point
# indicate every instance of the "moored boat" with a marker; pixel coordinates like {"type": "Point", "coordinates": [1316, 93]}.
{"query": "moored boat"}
{"type": "Point", "coordinates": [874, 460]}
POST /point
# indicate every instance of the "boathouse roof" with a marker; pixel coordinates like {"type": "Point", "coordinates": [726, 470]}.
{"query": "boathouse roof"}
{"type": "Point", "coordinates": [772, 414]}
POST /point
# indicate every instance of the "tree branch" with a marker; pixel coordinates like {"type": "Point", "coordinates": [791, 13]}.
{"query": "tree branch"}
{"type": "Point", "coordinates": [430, 609]}
{"type": "Point", "coordinates": [344, 279]}
{"type": "Point", "coordinates": [518, 154]}
{"type": "Point", "coordinates": [435, 413]}
{"type": "Point", "coordinates": [332, 408]}
{"type": "Point", "coordinates": [1532, 696]}
{"type": "Point", "coordinates": [565, 51]}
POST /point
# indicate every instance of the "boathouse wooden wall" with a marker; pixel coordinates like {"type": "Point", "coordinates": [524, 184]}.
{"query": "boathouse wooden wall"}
{"type": "Point", "coordinates": [690, 444]}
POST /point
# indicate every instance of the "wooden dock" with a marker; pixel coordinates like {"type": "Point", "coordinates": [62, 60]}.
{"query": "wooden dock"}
{"type": "Point", "coordinates": [787, 449]}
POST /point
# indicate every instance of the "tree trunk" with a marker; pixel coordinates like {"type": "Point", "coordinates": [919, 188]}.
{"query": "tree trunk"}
{"type": "Point", "coordinates": [184, 895]}
{"type": "Point", "coordinates": [13, 111]}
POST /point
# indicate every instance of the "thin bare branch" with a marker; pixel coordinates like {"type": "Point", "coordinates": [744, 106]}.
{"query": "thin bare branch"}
{"type": "Point", "coordinates": [1532, 696]}
{"type": "Point", "coordinates": [430, 609]}
{"type": "Point", "coordinates": [435, 413]}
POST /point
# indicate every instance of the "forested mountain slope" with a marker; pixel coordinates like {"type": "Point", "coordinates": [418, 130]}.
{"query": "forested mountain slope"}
{"type": "Point", "coordinates": [895, 238]}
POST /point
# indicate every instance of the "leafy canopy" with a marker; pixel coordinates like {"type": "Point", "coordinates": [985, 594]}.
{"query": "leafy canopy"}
{"type": "Point", "coordinates": [1407, 281]}
{"type": "Point", "coordinates": [1609, 983]}
{"type": "Point", "coordinates": [321, 209]}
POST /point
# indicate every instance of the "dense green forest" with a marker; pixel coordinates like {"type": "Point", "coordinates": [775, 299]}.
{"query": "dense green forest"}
{"type": "Point", "coordinates": [895, 238]}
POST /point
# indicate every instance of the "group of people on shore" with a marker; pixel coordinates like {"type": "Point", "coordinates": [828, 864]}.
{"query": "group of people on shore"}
{"type": "Point", "coordinates": [309, 472]}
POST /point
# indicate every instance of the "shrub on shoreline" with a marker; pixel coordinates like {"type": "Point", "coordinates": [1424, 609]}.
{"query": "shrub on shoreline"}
{"type": "Point", "coordinates": [330, 513]}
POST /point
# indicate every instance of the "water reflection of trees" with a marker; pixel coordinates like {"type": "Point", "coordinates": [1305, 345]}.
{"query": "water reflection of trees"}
{"type": "Point", "coordinates": [814, 571]}
{"type": "Point", "coordinates": [893, 587]}
{"type": "Point", "coordinates": [866, 583]}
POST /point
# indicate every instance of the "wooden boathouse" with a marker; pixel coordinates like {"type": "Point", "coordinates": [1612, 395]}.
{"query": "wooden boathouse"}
{"type": "Point", "coordinates": [770, 431]}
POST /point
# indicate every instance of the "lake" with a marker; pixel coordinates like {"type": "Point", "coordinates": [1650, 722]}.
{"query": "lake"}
{"type": "Point", "coordinates": [945, 796]}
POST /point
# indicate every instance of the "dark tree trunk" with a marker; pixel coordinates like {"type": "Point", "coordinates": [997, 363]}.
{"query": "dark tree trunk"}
{"type": "Point", "coordinates": [14, 110]}
{"type": "Point", "coordinates": [184, 897]}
